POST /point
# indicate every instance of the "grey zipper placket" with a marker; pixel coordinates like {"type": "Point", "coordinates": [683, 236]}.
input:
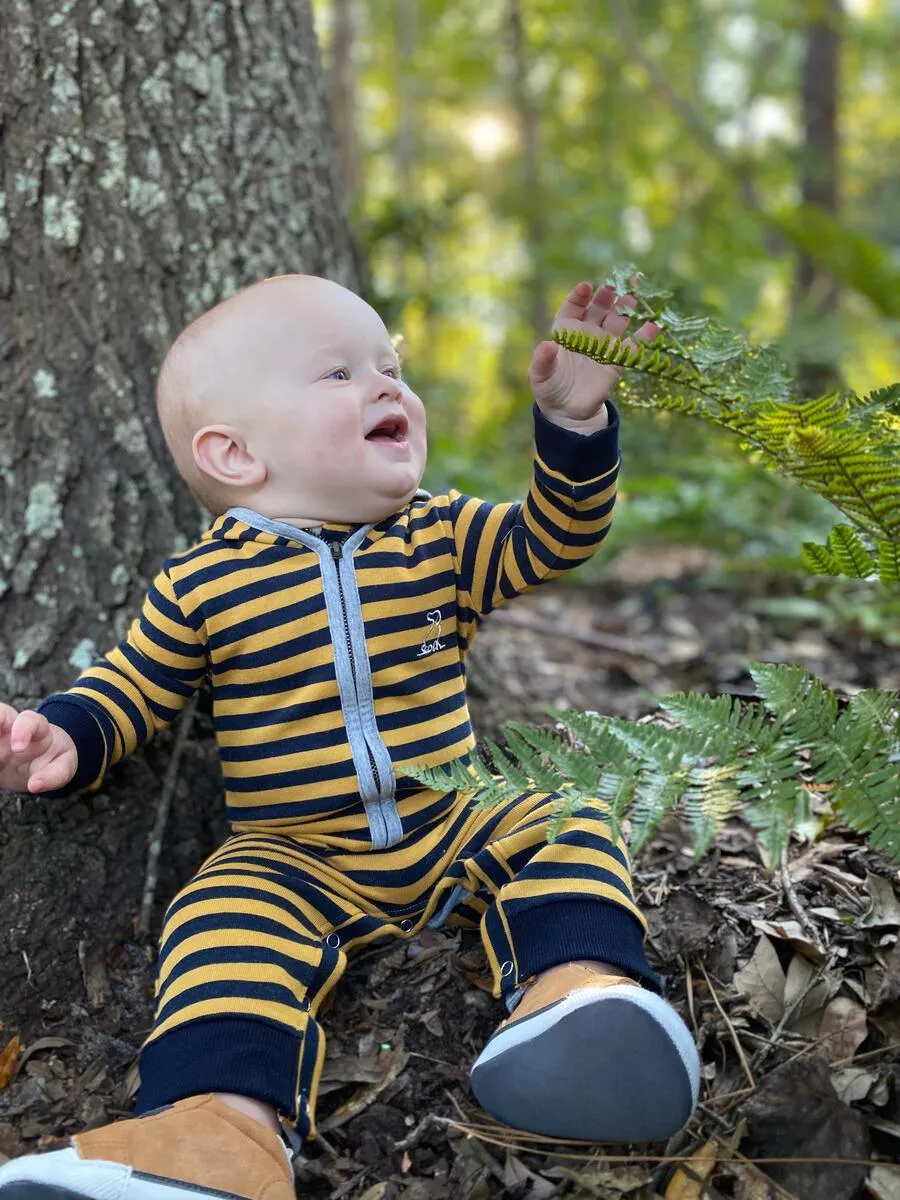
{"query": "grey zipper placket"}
{"type": "Point", "coordinates": [354, 676]}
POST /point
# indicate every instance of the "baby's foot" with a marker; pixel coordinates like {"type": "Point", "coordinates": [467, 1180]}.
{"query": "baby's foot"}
{"type": "Point", "coordinates": [198, 1148]}
{"type": "Point", "coordinates": [590, 1054]}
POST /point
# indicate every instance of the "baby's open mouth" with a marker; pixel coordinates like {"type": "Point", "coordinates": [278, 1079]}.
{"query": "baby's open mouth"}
{"type": "Point", "coordinates": [389, 429]}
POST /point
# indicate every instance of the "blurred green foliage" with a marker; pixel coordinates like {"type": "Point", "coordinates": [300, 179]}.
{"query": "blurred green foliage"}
{"type": "Point", "coordinates": [507, 150]}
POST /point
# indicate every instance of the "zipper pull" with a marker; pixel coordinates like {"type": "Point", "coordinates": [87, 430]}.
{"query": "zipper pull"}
{"type": "Point", "coordinates": [336, 548]}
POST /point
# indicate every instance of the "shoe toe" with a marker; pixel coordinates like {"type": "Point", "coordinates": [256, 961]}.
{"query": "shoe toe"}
{"type": "Point", "coordinates": [613, 1064]}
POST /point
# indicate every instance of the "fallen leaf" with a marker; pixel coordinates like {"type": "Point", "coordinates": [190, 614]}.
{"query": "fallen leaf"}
{"type": "Point", "coordinates": [376, 1192]}
{"type": "Point", "coordinates": [796, 1113]}
{"type": "Point", "coordinates": [853, 1084]}
{"type": "Point", "coordinates": [395, 1062]}
{"type": "Point", "coordinates": [804, 995]}
{"type": "Point", "coordinates": [515, 1173]}
{"type": "Point", "coordinates": [9, 1057]}
{"type": "Point", "coordinates": [843, 1029]}
{"type": "Point", "coordinates": [762, 981]}
{"type": "Point", "coordinates": [349, 1068]}
{"type": "Point", "coordinates": [752, 1184]}
{"type": "Point", "coordinates": [793, 932]}
{"type": "Point", "coordinates": [604, 1183]}
{"type": "Point", "coordinates": [884, 908]}
{"type": "Point", "coordinates": [884, 1183]}
{"type": "Point", "coordinates": [688, 1181]}
{"type": "Point", "coordinates": [44, 1043]}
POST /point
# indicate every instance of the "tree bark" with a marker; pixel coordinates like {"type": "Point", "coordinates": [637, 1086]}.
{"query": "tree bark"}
{"type": "Point", "coordinates": [814, 290]}
{"type": "Point", "coordinates": [342, 86]}
{"type": "Point", "coordinates": [155, 155]}
{"type": "Point", "coordinates": [534, 201]}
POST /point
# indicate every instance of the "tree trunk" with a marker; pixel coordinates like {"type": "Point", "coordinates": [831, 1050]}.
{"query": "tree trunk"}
{"type": "Point", "coordinates": [814, 291]}
{"type": "Point", "coordinates": [342, 86]}
{"type": "Point", "coordinates": [534, 200]}
{"type": "Point", "coordinates": [155, 156]}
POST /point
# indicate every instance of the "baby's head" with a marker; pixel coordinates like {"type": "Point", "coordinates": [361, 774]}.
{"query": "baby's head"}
{"type": "Point", "coordinates": [287, 399]}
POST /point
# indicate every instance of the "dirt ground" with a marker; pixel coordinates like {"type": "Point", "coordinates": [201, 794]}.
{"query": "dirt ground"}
{"type": "Point", "coordinates": [789, 977]}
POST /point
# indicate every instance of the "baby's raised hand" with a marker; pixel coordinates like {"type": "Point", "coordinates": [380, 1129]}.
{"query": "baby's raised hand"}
{"type": "Point", "coordinates": [569, 388]}
{"type": "Point", "coordinates": [35, 756]}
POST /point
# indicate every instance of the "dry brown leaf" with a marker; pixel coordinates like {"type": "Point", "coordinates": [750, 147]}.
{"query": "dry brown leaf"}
{"type": "Point", "coordinates": [793, 932]}
{"type": "Point", "coordinates": [762, 981]}
{"type": "Point", "coordinates": [688, 1181]}
{"type": "Point", "coordinates": [752, 1184]}
{"type": "Point", "coordinates": [364, 1096]}
{"type": "Point", "coordinates": [884, 908]}
{"type": "Point", "coordinates": [884, 1182]}
{"type": "Point", "coordinates": [853, 1084]}
{"type": "Point", "coordinates": [375, 1192]}
{"type": "Point", "coordinates": [515, 1173]}
{"type": "Point", "coordinates": [9, 1057]}
{"type": "Point", "coordinates": [804, 995]}
{"type": "Point", "coordinates": [797, 1114]}
{"type": "Point", "coordinates": [602, 1182]}
{"type": "Point", "coordinates": [844, 1028]}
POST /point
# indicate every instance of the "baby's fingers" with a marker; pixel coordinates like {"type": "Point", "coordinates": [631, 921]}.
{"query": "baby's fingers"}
{"type": "Point", "coordinates": [30, 734]}
{"type": "Point", "coordinates": [7, 715]}
{"type": "Point", "coordinates": [53, 770]}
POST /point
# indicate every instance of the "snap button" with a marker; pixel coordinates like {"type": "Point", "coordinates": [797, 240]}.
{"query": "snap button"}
{"type": "Point", "coordinates": [506, 970]}
{"type": "Point", "coordinates": [406, 926]}
{"type": "Point", "coordinates": [333, 940]}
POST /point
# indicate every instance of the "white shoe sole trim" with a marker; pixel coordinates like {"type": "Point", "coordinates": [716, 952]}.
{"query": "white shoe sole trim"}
{"type": "Point", "coordinates": [654, 1006]}
{"type": "Point", "coordinates": [95, 1179]}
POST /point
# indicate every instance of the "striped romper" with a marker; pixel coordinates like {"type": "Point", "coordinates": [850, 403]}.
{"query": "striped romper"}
{"type": "Point", "coordinates": [334, 659]}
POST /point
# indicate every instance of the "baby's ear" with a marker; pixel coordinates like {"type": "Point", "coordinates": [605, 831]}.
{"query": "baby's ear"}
{"type": "Point", "coordinates": [222, 453]}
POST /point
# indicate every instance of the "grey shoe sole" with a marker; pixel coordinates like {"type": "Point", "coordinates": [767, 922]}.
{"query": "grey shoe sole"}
{"type": "Point", "coordinates": [28, 1190]}
{"type": "Point", "coordinates": [612, 1064]}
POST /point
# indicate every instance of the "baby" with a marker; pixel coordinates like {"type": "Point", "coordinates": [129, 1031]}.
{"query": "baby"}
{"type": "Point", "coordinates": [331, 604]}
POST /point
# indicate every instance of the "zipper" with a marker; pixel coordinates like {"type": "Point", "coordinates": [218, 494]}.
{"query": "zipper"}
{"type": "Point", "coordinates": [336, 548]}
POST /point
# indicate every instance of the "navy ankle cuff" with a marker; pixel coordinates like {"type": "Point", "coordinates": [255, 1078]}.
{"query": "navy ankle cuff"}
{"type": "Point", "coordinates": [546, 934]}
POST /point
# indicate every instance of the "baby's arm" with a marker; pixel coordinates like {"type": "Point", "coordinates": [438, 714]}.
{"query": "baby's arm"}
{"type": "Point", "coordinates": [122, 700]}
{"type": "Point", "coordinates": [505, 549]}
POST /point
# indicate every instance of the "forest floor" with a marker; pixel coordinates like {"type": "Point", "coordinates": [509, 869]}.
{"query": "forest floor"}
{"type": "Point", "coordinates": [789, 977]}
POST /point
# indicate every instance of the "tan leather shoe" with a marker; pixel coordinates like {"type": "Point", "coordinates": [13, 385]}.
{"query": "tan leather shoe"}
{"type": "Point", "coordinates": [197, 1148]}
{"type": "Point", "coordinates": [593, 1055]}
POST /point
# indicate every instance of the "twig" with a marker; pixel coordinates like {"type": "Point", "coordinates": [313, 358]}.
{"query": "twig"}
{"type": "Point", "coordinates": [412, 1139]}
{"type": "Point", "coordinates": [734, 1037]}
{"type": "Point", "coordinates": [588, 637]}
{"type": "Point", "coordinates": [162, 815]}
{"type": "Point", "coordinates": [793, 900]}
{"type": "Point", "coordinates": [766, 1049]}
{"type": "Point", "coordinates": [852, 1060]}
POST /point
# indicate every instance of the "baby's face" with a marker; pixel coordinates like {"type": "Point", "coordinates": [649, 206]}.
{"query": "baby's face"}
{"type": "Point", "coordinates": [322, 405]}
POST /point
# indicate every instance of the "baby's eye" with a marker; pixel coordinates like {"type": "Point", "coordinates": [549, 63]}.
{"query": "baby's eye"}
{"type": "Point", "coordinates": [339, 371]}
{"type": "Point", "coordinates": [393, 372]}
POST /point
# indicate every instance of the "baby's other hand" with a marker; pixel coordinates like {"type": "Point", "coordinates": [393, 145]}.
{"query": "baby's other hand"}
{"type": "Point", "coordinates": [569, 388]}
{"type": "Point", "coordinates": [35, 756]}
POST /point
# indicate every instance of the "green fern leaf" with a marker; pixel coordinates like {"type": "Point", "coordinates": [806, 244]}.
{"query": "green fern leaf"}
{"type": "Point", "coordinates": [888, 561]}
{"type": "Point", "coordinates": [850, 554]}
{"type": "Point", "coordinates": [818, 559]}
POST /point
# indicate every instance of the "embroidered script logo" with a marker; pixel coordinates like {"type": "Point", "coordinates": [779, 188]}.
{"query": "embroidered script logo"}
{"type": "Point", "coordinates": [432, 640]}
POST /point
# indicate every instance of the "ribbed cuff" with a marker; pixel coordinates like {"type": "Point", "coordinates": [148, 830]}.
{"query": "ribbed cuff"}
{"type": "Point", "coordinates": [79, 721]}
{"type": "Point", "coordinates": [222, 1054]}
{"type": "Point", "coordinates": [578, 456]}
{"type": "Point", "coordinates": [559, 931]}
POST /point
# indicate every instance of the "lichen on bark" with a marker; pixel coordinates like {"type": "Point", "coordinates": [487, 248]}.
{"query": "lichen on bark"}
{"type": "Point", "coordinates": [153, 158]}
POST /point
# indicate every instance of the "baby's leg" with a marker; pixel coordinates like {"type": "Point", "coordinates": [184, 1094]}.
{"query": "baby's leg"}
{"type": "Point", "coordinates": [247, 955]}
{"type": "Point", "coordinates": [591, 1049]}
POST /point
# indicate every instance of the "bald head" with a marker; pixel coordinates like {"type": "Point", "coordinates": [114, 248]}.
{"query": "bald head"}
{"type": "Point", "coordinates": [219, 365]}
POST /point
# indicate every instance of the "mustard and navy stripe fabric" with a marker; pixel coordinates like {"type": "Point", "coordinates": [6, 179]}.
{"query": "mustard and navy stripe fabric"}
{"type": "Point", "coordinates": [333, 661]}
{"type": "Point", "coordinates": [330, 671]}
{"type": "Point", "coordinates": [258, 939]}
